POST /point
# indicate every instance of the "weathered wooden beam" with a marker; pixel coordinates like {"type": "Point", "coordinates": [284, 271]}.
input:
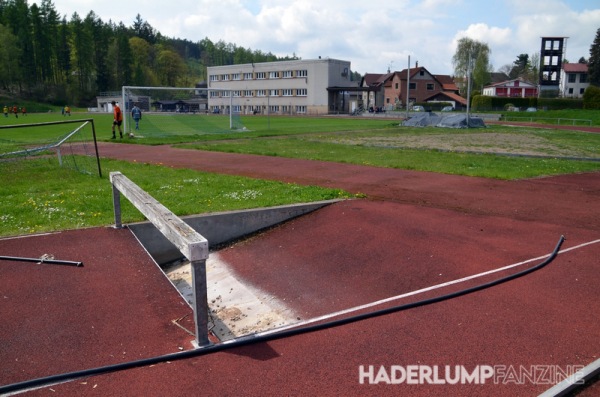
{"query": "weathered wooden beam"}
{"type": "Point", "coordinates": [191, 243]}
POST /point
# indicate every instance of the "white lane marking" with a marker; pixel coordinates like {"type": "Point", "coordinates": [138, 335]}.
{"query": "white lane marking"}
{"type": "Point", "coordinates": [419, 291]}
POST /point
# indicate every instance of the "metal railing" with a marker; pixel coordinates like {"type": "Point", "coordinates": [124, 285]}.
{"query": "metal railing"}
{"type": "Point", "coordinates": [551, 121]}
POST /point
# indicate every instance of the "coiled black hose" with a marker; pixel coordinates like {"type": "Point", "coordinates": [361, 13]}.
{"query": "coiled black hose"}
{"type": "Point", "coordinates": [39, 382]}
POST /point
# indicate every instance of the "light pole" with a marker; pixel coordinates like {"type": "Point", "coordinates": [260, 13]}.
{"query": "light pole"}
{"type": "Point", "coordinates": [407, 87]}
{"type": "Point", "coordinates": [469, 67]}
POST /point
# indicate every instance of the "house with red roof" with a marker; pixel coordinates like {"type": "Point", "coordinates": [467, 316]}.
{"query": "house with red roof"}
{"type": "Point", "coordinates": [573, 80]}
{"type": "Point", "coordinates": [374, 85]}
{"type": "Point", "coordinates": [517, 88]}
{"type": "Point", "coordinates": [390, 90]}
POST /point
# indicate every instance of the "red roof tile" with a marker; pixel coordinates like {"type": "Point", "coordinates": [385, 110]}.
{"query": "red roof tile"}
{"type": "Point", "coordinates": [575, 67]}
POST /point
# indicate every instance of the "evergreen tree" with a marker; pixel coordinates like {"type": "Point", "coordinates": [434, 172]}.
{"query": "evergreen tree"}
{"type": "Point", "coordinates": [18, 19]}
{"type": "Point", "coordinates": [83, 53]}
{"type": "Point", "coordinates": [51, 32]}
{"type": "Point", "coordinates": [63, 53]}
{"type": "Point", "coordinates": [520, 66]}
{"type": "Point", "coordinates": [122, 58]}
{"type": "Point", "coordinates": [594, 61]}
{"type": "Point", "coordinates": [71, 61]}
{"type": "Point", "coordinates": [9, 56]}
{"type": "Point", "coordinates": [101, 35]}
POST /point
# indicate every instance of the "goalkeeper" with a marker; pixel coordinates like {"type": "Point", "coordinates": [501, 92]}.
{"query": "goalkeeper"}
{"type": "Point", "coordinates": [136, 114]}
{"type": "Point", "coordinates": [118, 119]}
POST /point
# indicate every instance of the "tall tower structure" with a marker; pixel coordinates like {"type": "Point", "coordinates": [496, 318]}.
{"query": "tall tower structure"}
{"type": "Point", "coordinates": [551, 59]}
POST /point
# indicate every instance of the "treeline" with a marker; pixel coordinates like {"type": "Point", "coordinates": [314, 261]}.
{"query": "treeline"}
{"type": "Point", "coordinates": [47, 58]}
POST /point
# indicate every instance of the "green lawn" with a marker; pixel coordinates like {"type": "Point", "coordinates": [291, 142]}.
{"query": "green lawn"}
{"type": "Point", "coordinates": [38, 196]}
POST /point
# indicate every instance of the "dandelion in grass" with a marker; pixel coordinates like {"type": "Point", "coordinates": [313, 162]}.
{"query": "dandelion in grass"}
{"type": "Point", "coordinates": [244, 195]}
{"type": "Point", "coordinates": [7, 218]}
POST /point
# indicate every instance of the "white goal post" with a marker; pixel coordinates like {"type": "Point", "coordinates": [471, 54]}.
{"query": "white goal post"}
{"type": "Point", "coordinates": [77, 149]}
{"type": "Point", "coordinates": [175, 100]}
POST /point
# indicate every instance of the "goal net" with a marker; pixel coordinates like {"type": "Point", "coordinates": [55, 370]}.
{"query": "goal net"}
{"type": "Point", "coordinates": [171, 111]}
{"type": "Point", "coordinates": [73, 143]}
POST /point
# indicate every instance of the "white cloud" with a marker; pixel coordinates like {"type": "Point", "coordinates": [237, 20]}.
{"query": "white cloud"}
{"type": "Point", "coordinates": [370, 34]}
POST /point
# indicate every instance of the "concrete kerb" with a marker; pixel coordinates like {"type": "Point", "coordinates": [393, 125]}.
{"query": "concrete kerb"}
{"type": "Point", "coordinates": [220, 227]}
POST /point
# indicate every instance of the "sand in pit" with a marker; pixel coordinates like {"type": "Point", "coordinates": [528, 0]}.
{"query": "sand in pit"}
{"type": "Point", "coordinates": [235, 308]}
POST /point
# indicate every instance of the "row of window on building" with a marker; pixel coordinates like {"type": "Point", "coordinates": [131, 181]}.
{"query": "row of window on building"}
{"type": "Point", "coordinates": [274, 109]}
{"type": "Point", "coordinates": [260, 93]}
{"type": "Point", "coordinates": [284, 74]}
{"type": "Point", "coordinates": [571, 91]}
{"type": "Point", "coordinates": [572, 77]}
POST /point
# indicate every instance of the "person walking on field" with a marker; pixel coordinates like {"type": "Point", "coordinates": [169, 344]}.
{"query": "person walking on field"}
{"type": "Point", "coordinates": [136, 114]}
{"type": "Point", "coordinates": [118, 119]}
{"type": "Point", "coordinates": [16, 111]}
{"type": "Point", "coordinates": [5, 111]}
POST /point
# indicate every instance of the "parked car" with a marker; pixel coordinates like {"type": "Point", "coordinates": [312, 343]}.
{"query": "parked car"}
{"type": "Point", "coordinates": [531, 110]}
{"type": "Point", "coordinates": [418, 108]}
{"type": "Point", "coordinates": [447, 109]}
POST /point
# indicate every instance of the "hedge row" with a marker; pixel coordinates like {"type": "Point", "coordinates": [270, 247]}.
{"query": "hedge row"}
{"type": "Point", "coordinates": [482, 103]}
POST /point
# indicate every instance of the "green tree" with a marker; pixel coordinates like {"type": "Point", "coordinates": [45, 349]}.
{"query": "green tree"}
{"type": "Point", "coordinates": [207, 52]}
{"type": "Point", "coordinates": [82, 54]}
{"type": "Point", "coordinates": [144, 30]}
{"type": "Point", "coordinates": [591, 97]}
{"type": "Point", "coordinates": [63, 53]}
{"type": "Point", "coordinates": [101, 35]}
{"type": "Point", "coordinates": [170, 66]}
{"type": "Point", "coordinates": [9, 56]}
{"type": "Point", "coordinates": [520, 66]}
{"type": "Point", "coordinates": [44, 30]}
{"type": "Point", "coordinates": [472, 56]}
{"type": "Point", "coordinates": [533, 74]}
{"type": "Point", "coordinates": [141, 52]}
{"type": "Point", "coordinates": [594, 61]}
{"type": "Point", "coordinates": [18, 19]}
{"type": "Point", "coordinates": [526, 68]}
{"type": "Point", "coordinates": [481, 73]}
{"type": "Point", "coordinates": [121, 58]}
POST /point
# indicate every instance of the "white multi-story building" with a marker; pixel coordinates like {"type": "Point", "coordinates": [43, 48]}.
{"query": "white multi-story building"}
{"type": "Point", "coordinates": [573, 80]}
{"type": "Point", "coordinates": [318, 86]}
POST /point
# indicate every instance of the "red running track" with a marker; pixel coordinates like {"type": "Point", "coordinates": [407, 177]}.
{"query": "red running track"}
{"type": "Point", "coordinates": [413, 231]}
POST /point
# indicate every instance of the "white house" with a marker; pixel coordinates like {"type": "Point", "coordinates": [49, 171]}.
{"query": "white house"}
{"type": "Point", "coordinates": [511, 89]}
{"type": "Point", "coordinates": [573, 80]}
{"type": "Point", "coordinates": [318, 86]}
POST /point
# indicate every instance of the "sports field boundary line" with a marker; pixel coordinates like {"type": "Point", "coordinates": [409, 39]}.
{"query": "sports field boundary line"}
{"type": "Point", "coordinates": [417, 292]}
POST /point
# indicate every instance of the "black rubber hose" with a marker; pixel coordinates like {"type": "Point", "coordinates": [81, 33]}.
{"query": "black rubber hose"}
{"type": "Point", "coordinates": [33, 383]}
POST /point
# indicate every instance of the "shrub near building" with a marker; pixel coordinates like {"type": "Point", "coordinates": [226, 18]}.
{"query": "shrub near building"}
{"type": "Point", "coordinates": [591, 98]}
{"type": "Point", "coordinates": [487, 103]}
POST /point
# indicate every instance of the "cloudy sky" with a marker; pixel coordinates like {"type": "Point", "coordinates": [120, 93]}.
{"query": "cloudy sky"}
{"type": "Point", "coordinates": [373, 35]}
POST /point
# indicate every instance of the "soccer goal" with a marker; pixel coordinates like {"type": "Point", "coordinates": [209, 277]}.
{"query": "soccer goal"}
{"type": "Point", "coordinates": [171, 111]}
{"type": "Point", "coordinates": [73, 142]}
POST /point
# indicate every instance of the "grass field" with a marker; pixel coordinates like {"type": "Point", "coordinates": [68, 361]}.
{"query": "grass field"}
{"type": "Point", "coordinates": [38, 196]}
